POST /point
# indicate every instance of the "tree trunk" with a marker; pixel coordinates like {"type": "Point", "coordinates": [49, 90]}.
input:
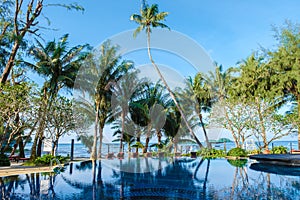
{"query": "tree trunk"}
{"type": "Point", "coordinates": [33, 148]}
{"type": "Point", "coordinates": [55, 144]}
{"type": "Point", "coordinates": [170, 91]}
{"type": "Point", "coordinates": [19, 143]}
{"type": "Point", "coordinates": [94, 148]}
{"type": "Point", "coordinates": [138, 139]}
{"type": "Point", "coordinates": [204, 131]}
{"type": "Point", "coordinates": [21, 148]}
{"type": "Point", "coordinates": [54, 148]}
{"type": "Point", "coordinates": [100, 141]}
{"type": "Point", "coordinates": [261, 123]}
{"type": "Point", "coordinates": [37, 143]}
{"type": "Point", "coordinates": [10, 62]}
{"type": "Point", "coordinates": [158, 133]}
{"type": "Point", "coordinates": [39, 147]}
{"type": "Point", "coordinates": [146, 145]}
{"type": "Point", "coordinates": [122, 131]}
{"type": "Point", "coordinates": [175, 142]}
{"type": "Point", "coordinates": [159, 137]}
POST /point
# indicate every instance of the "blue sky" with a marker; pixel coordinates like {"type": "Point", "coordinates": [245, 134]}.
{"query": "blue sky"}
{"type": "Point", "coordinates": [229, 30]}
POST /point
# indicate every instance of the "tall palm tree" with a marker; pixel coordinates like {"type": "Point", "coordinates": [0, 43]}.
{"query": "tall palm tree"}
{"type": "Point", "coordinates": [59, 65]}
{"type": "Point", "coordinates": [105, 68]}
{"type": "Point", "coordinates": [218, 82]}
{"type": "Point", "coordinates": [203, 99]}
{"type": "Point", "coordinates": [123, 91]}
{"type": "Point", "coordinates": [196, 97]}
{"type": "Point", "coordinates": [151, 18]}
{"type": "Point", "coordinates": [142, 109]}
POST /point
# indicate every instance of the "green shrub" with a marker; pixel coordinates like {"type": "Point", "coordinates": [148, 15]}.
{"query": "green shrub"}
{"type": "Point", "coordinates": [8, 149]}
{"type": "Point", "coordinates": [237, 152]}
{"type": "Point", "coordinates": [279, 150]}
{"type": "Point", "coordinates": [254, 151]}
{"type": "Point", "coordinates": [186, 154]}
{"type": "Point", "coordinates": [154, 153]}
{"type": "Point", "coordinates": [238, 163]}
{"type": "Point", "coordinates": [211, 153]}
{"type": "Point", "coordinates": [46, 160]}
{"type": "Point", "coordinates": [4, 160]}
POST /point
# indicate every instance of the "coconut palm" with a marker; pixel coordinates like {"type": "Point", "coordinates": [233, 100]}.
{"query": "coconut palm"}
{"type": "Point", "coordinates": [105, 68]}
{"type": "Point", "coordinates": [145, 108]}
{"type": "Point", "coordinates": [59, 65]}
{"type": "Point", "coordinates": [151, 18]}
{"type": "Point", "coordinates": [203, 98]}
{"type": "Point", "coordinates": [218, 82]}
{"type": "Point", "coordinates": [123, 91]}
{"type": "Point", "coordinates": [195, 99]}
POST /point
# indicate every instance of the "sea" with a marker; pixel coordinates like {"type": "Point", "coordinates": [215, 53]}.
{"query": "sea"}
{"type": "Point", "coordinates": [81, 151]}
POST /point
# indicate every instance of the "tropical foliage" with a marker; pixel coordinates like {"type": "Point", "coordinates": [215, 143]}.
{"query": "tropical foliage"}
{"type": "Point", "coordinates": [237, 152]}
{"type": "Point", "coordinates": [245, 99]}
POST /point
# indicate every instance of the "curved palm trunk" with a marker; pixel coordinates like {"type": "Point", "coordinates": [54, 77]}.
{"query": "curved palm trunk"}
{"type": "Point", "coordinates": [170, 91]}
{"type": "Point", "coordinates": [204, 131]}
{"type": "Point", "coordinates": [94, 148]}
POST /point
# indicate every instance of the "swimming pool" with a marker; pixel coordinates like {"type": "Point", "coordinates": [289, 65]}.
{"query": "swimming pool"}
{"type": "Point", "coordinates": [153, 178]}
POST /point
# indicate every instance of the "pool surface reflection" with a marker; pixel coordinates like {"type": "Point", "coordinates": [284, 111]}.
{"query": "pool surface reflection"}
{"type": "Point", "coordinates": [153, 178]}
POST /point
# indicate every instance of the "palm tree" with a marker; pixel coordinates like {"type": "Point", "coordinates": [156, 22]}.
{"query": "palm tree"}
{"type": "Point", "coordinates": [123, 91]}
{"type": "Point", "coordinates": [203, 99]}
{"type": "Point", "coordinates": [195, 98]}
{"type": "Point", "coordinates": [143, 110]}
{"type": "Point", "coordinates": [218, 83]}
{"type": "Point", "coordinates": [59, 65]}
{"type": "Point", "coordinates": [151, 17]}
{"type": "Point", "coordinates": [105, 69]}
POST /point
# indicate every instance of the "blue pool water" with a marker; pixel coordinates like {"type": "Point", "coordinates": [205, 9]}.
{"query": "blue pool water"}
{"type": "Point", "coordinates": [153, 178]}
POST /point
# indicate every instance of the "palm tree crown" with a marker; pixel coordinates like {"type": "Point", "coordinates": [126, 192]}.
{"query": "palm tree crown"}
{"type": "Point", "coordinates": [150, 17]}
{"type": "Point", "coordinates": [57, 63]}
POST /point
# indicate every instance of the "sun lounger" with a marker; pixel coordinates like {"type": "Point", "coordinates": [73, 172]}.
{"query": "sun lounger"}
{"type": "Point", "coordinates": [24, 159]}
{"type": "Point", "coordinates": [293, 151]}
{"type": "Point", "coordinates": [120, 155]}
{"type": "Point", "coordinates": [110, 156]}
{"type": "Point", "coordinates": [16, 158]}
{"type": "Point", "coordinates": [134, 155]}
{"type": "Point", "coordinates": [148, 154]}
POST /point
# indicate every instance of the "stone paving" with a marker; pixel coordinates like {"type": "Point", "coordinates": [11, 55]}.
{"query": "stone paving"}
{"type": "Point", "coordinates": [18, 168]}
